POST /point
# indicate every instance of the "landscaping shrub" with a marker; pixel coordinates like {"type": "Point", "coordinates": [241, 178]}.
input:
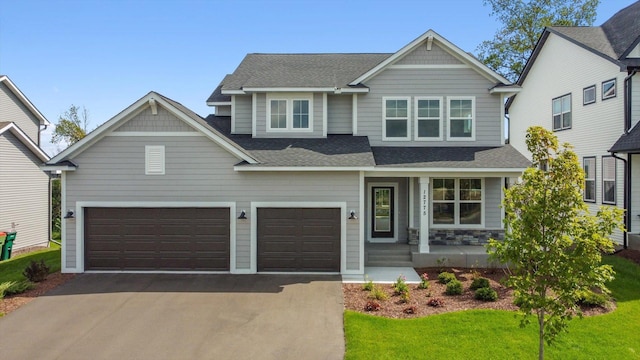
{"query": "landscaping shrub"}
{"type": "Point", "coordinates": [368, 286]}
{"type": "Point", "coordinates": [36, 271]}
{"type": "Point", "coordinates": [14, 287]}
{"type": "Point", "coordinates": [400, 286]}
{"type": "Point", "coordinates": [378, 293]}
{"type": "Point", "coordinates": [404, 297]}
{"type": "Point", "coordinates": [454, 287]}
{"type": "Point", "coordinates": [592, 299]}
{"type": "Point", "coordinates": [372, 306]}
{"type": "Point", "coordinates": [435, 302]}
{"type": "Point", "coordinates": [486, 294]}
{"type": "Point", "coordinates": [479, 282]}
{"type": "Point", "coordinates": [409, 310]}
{"type": "Point", "coordinates": [424, 281]}
{"type": "Point", "coordinates": [446, 277]}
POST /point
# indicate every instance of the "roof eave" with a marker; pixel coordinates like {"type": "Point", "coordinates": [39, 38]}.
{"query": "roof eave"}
{"type": "Point", "coordinates": [25, 100]}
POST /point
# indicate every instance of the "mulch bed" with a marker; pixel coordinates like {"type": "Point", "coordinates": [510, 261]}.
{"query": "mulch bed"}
{"type": "Point", "coordinates": [11, 303]}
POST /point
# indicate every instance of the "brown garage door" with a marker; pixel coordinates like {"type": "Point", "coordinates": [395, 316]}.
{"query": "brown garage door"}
{"type": "Point", "coordinates": [156, 238]}
{"type": "Point", "coordinates": [301, 239]}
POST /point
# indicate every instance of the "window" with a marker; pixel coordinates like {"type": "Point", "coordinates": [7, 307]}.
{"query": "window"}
{"type": "Point", "coordinates": [154, 160]}
{"type": "Point", "coordinates": [457, 202]}
{"type": "Point", "coordinates": [608, 180]}
{"type": "Point", "coordinates": [562, 112]}
{"type": "Point", "coordinates": [589, 95]}
{"type": "Point", "coordinates": [428, 118]}
{"type": "Point", "coordinates": [461, 118]}
{"type": "Point", "coordinates": [395, 119]}
{"type": "Point", "coordinates": [286, 113]}
{"type": "Point", "coordinates": [589, 166]}
{"type": "Point", "coordinates": [608, 89]}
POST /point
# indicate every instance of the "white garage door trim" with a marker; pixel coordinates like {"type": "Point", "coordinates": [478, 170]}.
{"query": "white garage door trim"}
{"type": "Point", "coordinates": [79, 218]}
{"type": "Point", "coordinates": [254, 229]}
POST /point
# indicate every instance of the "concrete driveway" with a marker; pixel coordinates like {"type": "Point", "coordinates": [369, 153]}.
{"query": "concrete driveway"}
{"type": "Point", "coordinates": [165, 316]}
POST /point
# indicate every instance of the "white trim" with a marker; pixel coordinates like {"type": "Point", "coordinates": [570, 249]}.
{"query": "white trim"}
{"type": "Point", "coordinates": [233, 114]}
{"type": "Point", "coordinates": [232, 92]}
{"type": "Point", "coordinates": [474, 119]}
{"type": "Point", "coordinates": [425, 211]}
{"type": "Point", "coordinates": [502, 120]}
{"type": "Point", "coordinates": [26, 140]}
{"type": "Point", "coordinates": [358, 90]}
{"type": "Point", "coordinates": [290, 89]}
{"type": "Point", "coordinates": [457, 203]}
{"type": "Point", "coordinates": [186, 272]}
{"type": "Point", "coordinates": [254, 114]}
{"type": "Point", "coordinates": [429, 66]}
{"type": "Point", "coordinates": [411, 202]}
{"type": "Point", "coordinates": [502, 214]}
{"type": "Point", "coordinates": [63, 224]}
{"type": "Point", "coordinates": [416, 118]}
{"type": "Point", "coordinates": [25, 101]}
{"type": "Point", "coordinates": [373, 171]}
{"type": "Point", "coordinates": [446, 45]}
{"type": "Point", "coordinates": [325, 116]}
{"type": "Point", "coordinates": [155, 134]}
{"type": "Point", "coordinates": [219, 103]}
{"type": "Point", "coordinates": [298, 204]}
{"type": "Point", "coordinates": [354, 114]}
{"type": "Point", "coordinates": [289, 98]}
{"type": "Point", "coordinates": [505, 90]}
{"type": "Point", "coordinates": [80, 205]}
{"type": "Point", "coordinates": [385, 118]}
{"type": "Point", "coordinates": [52, 168]}
{"type": "Point", "coordinates": [362, 221]}
{"type": "Point", "coordinates": [370, 187]}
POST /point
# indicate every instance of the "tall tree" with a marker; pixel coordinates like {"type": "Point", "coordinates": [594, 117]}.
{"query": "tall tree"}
{"type": "Point", "coordinates": [522, 22]}
{"type": "Point", "coordinates": [71, 126]}
{"type": "Point", "coordinates": [553, 245]}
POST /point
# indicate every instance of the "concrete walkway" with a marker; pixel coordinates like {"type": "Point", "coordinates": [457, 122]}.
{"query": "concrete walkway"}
{"type": "Point", "coordinates": [383, 275]}
{"type": "Point", "coordinates": [163, 316]}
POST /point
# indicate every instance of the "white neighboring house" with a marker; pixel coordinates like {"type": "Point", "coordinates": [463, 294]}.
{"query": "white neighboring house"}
{"type": "Point", "coordinates": [582, 83]}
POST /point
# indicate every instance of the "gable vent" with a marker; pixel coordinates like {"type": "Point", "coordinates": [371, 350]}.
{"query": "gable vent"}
{"type": "Point", "coordinates": [154, 159]}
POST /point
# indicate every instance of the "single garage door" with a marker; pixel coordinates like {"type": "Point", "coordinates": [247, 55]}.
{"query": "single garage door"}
{"type": "Point", "coordinates": [300, 239]}
{"type": "Point", "coordinates": [157, 239]}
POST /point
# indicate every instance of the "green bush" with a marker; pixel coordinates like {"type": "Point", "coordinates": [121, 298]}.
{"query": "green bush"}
{"type": "Point", "coordinates": [14, 287]}
{"type": "Point", "coordinates": [454, 287]}
{"type": "Point", "coordinates": [486, 294]}
{"type": "Point", "coordinates": [36, 271]}
{"type": "Point", "coordinates": [592, 299]}
{"type": "Point", "coordinates": [446, 277]}
{"type": "Point", "coordinates": [479, 283]}
{"type": "Point", "coordinates": [368, 286]}
{"type": "Point", "coordinates": [378, 293]}
{"type": "Point", "coordinates": [400, 286]}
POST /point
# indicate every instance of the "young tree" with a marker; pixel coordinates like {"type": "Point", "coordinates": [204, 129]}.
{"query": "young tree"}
{"type": "Point", "coordinates": [553, 245]}
{"type": "Point", "coordinates": [522, 23]}
{"type": "Point", "coordinates": [71, 126]}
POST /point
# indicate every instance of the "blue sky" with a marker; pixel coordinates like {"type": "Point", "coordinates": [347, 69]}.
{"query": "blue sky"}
{"type": "Point", "coordinates": [104, 55]}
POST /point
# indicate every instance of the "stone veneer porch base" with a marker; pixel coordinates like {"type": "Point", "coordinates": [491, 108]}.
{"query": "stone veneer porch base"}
{"type": "Point", "coordinates": [464, 237]}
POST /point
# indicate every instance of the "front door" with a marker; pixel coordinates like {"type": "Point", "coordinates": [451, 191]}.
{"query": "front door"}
{"type": "Point", "coordinates": [382, 225]}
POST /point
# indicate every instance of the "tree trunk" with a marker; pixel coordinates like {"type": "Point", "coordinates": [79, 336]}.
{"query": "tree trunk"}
{"type": "Point", "coordinates": [541, 334]}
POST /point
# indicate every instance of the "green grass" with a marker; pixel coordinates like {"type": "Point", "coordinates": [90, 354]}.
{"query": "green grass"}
{"type": "Point", "coordinates": [11, 270]}
{"type": "Point", "coordinates": [489, 334]}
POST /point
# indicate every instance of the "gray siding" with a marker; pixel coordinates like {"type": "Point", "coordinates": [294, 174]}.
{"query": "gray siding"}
{"type": "Point", "coordinates": [199, 170]}
{"type": "Point", "coordinates": [24, 193]}
{"type": "Point", "coordinates": [164, 121]}
{"type": "Point", "coordinates": [261, 121]}
{"type": "Point", "coordinates": [492, 205]}
{"type": "Point", "coordinates": [431, 82]}
{"type": "Point", "coordinates": [432, 57]}
{"type": "Point", "coordinates": [12, 109]}
{"type": "Point", "coordinates": [339, 114]}
{"type": "Point", "coordinates": [635, 98]}
{"type": "Point", "coordinates": [243, 110]}
{"type": "Point", "coordinates": [223, 110]}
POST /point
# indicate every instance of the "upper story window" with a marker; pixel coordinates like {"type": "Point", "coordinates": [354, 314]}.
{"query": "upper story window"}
{"type": "Point", "coordinates": [589, 95]}
{"type": "Point", "coordinates": [462, 118]}
{"type": "Point", "coordinates": [608, 89]}
{"type": "Point", "coordinates": [589, 166]}
{"type": "Point", "coordinates": [428, 116]}
{"type": "Point", "coordinates": [289, 113]}
{"type": "Point", "coordinates": [562, 112]}
{"type": "Point", "coordinates": [395, 118]}
{"type": "Point", "coordinates": [608, 180]}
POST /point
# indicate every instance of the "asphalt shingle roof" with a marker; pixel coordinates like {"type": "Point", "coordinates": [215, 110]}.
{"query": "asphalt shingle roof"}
{"type": "Point", "coordinates": [217, 96]}
{"type": "Point", "coordinates": [499, 157]}
{"type": "Point", "coordinates": [629, 142]}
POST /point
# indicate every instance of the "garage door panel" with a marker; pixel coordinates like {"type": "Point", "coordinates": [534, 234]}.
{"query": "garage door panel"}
{"type": "Point", "coordinates": [299, 239]}
{"type": "Point", "coordinates": [157, 239]}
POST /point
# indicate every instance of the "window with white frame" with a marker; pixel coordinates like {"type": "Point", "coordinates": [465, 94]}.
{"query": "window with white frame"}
{"type": "Point", "coordinates": [428, 114]}
{"type": "Point", "coordinates": [462, 117]}
{"type": "Point", "coordinates": [608, 180]}
{"type": "Point", "coordinates": [608, 89]}
{"type": "Point", "coordinates": [562, 112]}
{"type": "Point", "coordinates": [287, 113]}
{"type": "Point", "coordinates": [457, 201]}
{"type": "Point", "coordinates": [589, 166]}
{"type": "Point", "coordinates": [395, 118]}
{"type": "Point", "coordinates": [589, 95]}
{"type": "Point", "coordinates": [154, 160]}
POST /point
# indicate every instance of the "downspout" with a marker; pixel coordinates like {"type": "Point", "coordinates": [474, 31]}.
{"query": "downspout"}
{"type": "Point", "coordinates": [626, 201]}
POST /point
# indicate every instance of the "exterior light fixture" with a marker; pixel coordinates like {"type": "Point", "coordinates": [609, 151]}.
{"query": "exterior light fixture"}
{"type": "Point", "coordinates": [352, 215]}
{"type": "Point", "coordinates": [243, 215]}
{"type": "Point", "coordinates": [70, 214]}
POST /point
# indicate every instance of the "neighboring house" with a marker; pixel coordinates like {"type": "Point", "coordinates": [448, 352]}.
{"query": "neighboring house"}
{"type": "Point", "coordinates": [308, 159]}
{"type": "Point", "coordinates": [24, 187]}
{"type": "Point", "coordinates": [581, 82]}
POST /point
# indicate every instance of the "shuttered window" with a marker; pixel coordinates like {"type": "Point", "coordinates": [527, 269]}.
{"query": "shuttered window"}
{"type": "Point", "coordinates": [154, 160]}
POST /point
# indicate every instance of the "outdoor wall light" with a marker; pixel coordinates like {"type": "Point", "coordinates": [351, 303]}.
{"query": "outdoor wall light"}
{"type": "Point", "coordinates": [352, 215]}
{"type": "Point", "coordinates": [70, 214]}
{"type": "Point", "coordinates": [243, 215]}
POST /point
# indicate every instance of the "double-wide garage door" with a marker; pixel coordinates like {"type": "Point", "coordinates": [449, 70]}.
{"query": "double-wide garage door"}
{"type": "Point", "coordinates": [157, 239]}
{"type": "Point", "coordinates": [299, 239]}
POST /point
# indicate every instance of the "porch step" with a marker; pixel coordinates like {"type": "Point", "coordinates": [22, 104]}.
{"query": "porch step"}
{"type": "Point", "coordinates": [389, 255]}
{"type": "Point", "coordinates": [388, 263]}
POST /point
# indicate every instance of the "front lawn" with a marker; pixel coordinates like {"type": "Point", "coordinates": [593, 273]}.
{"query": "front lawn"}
{"type": "Point", "coordinates": [492, 334]}
{"type": "Point", "coordinates": [11, 270]}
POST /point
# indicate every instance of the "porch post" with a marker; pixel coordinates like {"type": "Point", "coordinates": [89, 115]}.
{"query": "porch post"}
{"type": "Point", "coordinates": [424, 215]}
